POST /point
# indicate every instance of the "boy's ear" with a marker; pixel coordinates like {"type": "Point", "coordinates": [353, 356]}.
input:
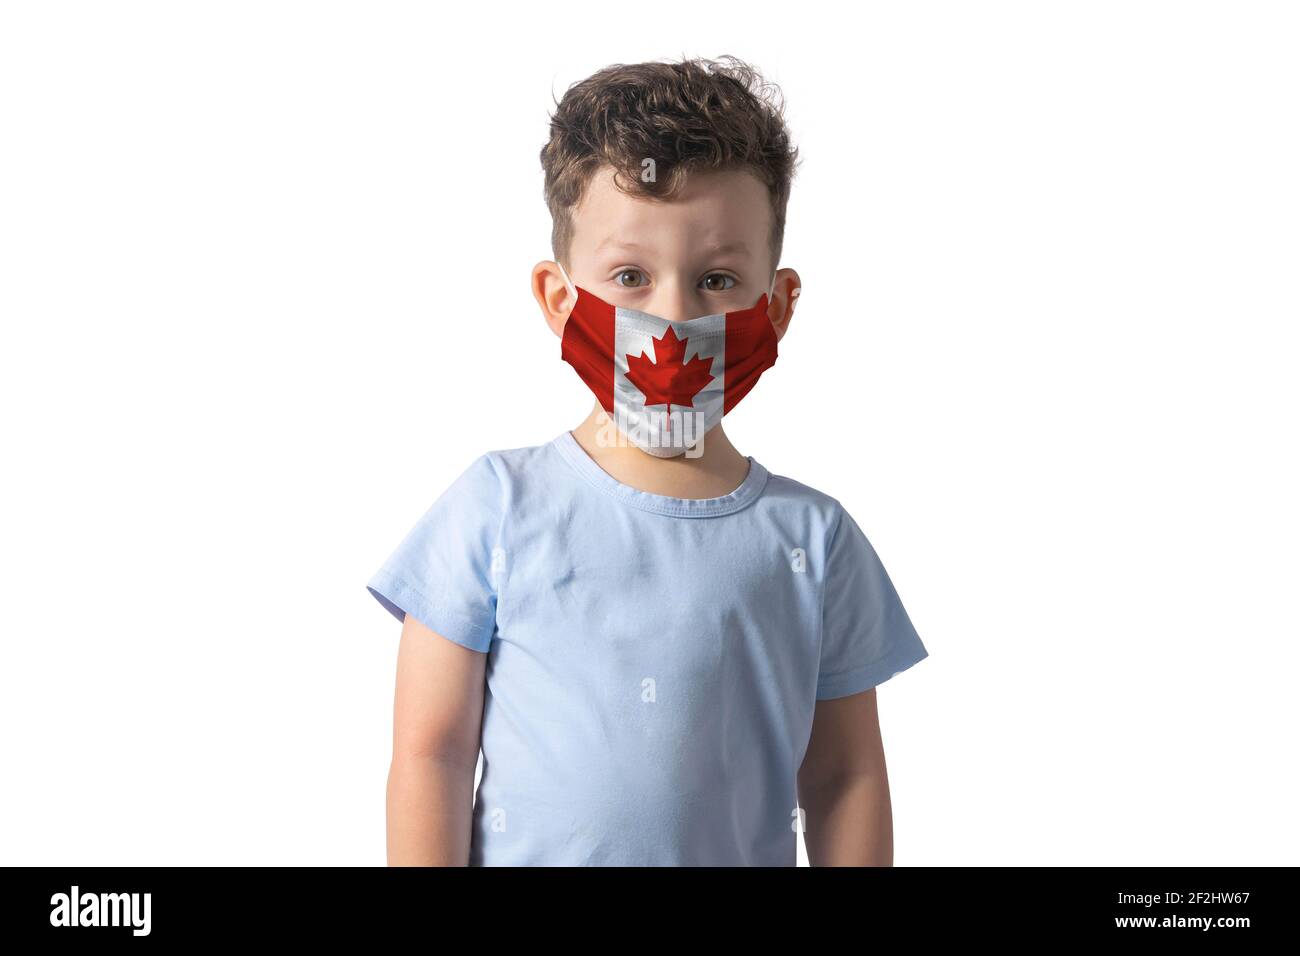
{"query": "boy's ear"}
{"type": "Point", "coordinates": [552, 295]}
{"type": "Point", "coordinates": [784, 297]}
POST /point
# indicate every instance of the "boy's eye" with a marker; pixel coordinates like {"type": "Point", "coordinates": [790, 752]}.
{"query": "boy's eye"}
{"type": "Point", "coordinates": [629, 272]}
{"type": "Point", "coordinates": [709, 282]}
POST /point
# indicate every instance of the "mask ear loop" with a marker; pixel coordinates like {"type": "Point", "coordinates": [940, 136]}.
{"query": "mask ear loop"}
{"type": "Point", "coordinates": [794, 294]}
{"type": "Point", "coordinates": [572, 289]}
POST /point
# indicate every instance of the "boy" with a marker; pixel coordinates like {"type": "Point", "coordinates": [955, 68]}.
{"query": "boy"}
{"type": "Point", "coordinates": [666, 653]}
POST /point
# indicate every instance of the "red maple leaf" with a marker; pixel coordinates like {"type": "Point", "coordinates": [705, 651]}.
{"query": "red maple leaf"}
{"type": "Point", "coordinates": [667, 380]}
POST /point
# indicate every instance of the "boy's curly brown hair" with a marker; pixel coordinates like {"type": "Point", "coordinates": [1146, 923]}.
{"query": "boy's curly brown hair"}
{"type": "Point", "coordinates": [716, 115]}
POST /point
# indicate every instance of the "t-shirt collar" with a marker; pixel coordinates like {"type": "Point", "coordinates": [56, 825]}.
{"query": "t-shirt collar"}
{"type": "Point", "coordinates": [746, 492]}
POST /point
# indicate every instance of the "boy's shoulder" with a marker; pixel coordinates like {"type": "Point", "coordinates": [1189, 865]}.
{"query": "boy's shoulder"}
{"type": "Point", "coordinates": [505, 471]}
{"type": "Point", "coordinates": [515, 464]}
{"type": "Point", "coordinates": [792, 487]}
{"type": "Point", "coordinates": [509, 459]}
{"type": "Point", "coordinates": [789, 490]}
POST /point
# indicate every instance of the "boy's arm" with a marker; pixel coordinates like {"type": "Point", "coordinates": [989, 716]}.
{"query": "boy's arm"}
{"type": "Point", "coordinates": [843, 788]}
{"type": "Point", "coordinates": [437, 718]}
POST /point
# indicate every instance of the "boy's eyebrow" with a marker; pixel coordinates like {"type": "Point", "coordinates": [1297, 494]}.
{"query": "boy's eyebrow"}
{"type": "Point", "coordinates": [716, 249]}
{"type": "Point", "coordinates": [723, 248]}
{"type": "Point", "coordinates": [612, 243]}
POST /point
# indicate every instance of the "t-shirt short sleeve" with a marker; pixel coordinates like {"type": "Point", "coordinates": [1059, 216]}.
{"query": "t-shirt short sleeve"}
{"type": "Point", "coordinates": [442, 571]}
{"type": "Point", "coordinates": [867, 636]}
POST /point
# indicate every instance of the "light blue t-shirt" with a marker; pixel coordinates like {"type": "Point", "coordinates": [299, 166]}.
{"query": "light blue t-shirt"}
{"type": "Point", "coordinates": [653, 662]}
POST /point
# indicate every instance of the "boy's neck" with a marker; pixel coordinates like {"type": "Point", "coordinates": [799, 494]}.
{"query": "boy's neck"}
{"type": "Point", "coordinates": [719, 471]}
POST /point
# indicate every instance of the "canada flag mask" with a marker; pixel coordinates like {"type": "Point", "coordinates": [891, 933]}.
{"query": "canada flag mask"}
{"type": "Point", "coordinates": [665, 384]}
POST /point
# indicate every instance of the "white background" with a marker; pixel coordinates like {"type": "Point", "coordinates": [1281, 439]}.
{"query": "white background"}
{"type": "Point", "coordinates": [264, 292]}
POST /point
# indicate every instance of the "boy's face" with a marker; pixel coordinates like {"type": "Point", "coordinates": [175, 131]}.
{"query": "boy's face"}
{"type": "Point", "coordinates": [702, 253]}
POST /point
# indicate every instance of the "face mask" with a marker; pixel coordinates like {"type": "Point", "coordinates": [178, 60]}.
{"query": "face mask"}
{"type": "Point", "coordinates": [666, 383]}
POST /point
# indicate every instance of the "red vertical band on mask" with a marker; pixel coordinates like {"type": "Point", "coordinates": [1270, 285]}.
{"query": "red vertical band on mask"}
{"type": "Point", "coordinates": [751, 350]}
{"type": "Point", "coordinates": [588, 345]}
